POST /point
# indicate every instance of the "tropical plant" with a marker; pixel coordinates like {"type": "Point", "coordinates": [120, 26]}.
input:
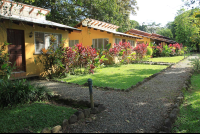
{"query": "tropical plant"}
{"type": "Point", "coordinates": [166, 51]}
{"type": "Point", "coordinates": [5, 65]}
{"type": "Point", "coordinates": [141, 50]}
{"type": "Point", "coordinates": [20, 91]}
{"type": "Point", "coordinates": [52, 59]}
{"type": "Point", "coordinates": [196, 64]}
{"type": "Point", "coordinates": [78, 57]}
{"type": "Point", "coordinates": [149, 51]}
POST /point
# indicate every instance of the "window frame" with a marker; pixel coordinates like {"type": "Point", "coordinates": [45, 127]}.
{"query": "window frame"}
{"type": "Point", "coordinates": [97, 48]}
{"type": "Point", "coordinates": [74, 42]}
{"type": "Point", "coordinates": [46, 47]}
{"type": "Point", "coordinates": [131, 43]}
{"type": "Point", "coordinates": [117, 39]}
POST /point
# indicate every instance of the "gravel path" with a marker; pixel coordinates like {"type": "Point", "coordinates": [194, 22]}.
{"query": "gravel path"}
{"type": "Point", "coordinates": [143, 109]}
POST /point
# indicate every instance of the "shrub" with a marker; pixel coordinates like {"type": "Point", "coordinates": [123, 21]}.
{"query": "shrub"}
{"type": "Point", "coordinates": [122, 50]}
{"type": "Point", "coordinates": [79, 57]}
{"type": "Point", "coordinates": [157, 50]}
{"type": "Point", "coordinates": [141, 50]}
{"type": "Point", "coordinates": [196, 63]}
{"type": "Point", "coordinates": [20, 91]}
{"type": "Point", "coordinates": [51, 59]}
{"type": "Point", "coordinates": [166, 51]}
{"type": "Point", "coordinates": [5, 65]}
{"type": "Point", "coordinates": [149, 51]}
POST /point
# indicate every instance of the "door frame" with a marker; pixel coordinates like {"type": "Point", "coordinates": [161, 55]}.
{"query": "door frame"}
{"type": "Point", "coordinates": [23, 48]}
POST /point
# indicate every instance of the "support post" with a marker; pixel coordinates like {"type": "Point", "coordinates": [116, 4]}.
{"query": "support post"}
{"type": "Point", "coordinates": [91, 94]}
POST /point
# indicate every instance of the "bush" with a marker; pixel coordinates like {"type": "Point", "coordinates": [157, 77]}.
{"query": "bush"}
{"type": "Point", "coordinates": [196, 63]}
{"type": "Point", "coordinates": [149, 51]}
{"type": "Point", "coordinates": [51, 59]}
{"type": "Point", "coordinates": [141, 50]}
{"type": "Point", "coordinates": [20, 92]}
{"type": "Point", "coordinates": [79, 57]}
{"type": "Point", "coordinates": [166, 51]}
{"type": "Point", "coordinates": [157, 50]}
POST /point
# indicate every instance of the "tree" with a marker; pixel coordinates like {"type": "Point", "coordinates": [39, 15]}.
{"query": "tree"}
{"type": "Point", "coordinates": [153, 27]}
{"type": "Point", "coordinates": [134, 24]}
{"type": "Point", "coordinates": [165, 32]}
{"type": "Point", "coordinates": [186, 32]}
{"type": "Point", "coordinates": [143, 27]}
{"type": "Point", "coordinates": [71, 12]}
{"type": "Point", "coordinates": [171, 26]}
{"type": "Point", "coordinates": [191, 3]}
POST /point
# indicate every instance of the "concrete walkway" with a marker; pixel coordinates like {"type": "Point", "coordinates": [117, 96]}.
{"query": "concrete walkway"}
{"type": "Point", "coordinates": [143, 109]}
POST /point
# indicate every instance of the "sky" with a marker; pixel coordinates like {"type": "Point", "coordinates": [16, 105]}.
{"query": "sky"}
{"type": "Point", "coordinates": [159, 11]}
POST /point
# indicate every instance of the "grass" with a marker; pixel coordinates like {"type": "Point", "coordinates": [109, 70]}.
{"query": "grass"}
{"type": "Point", "coordinates": [34, 116]}
{"type": "Point", "coordinates": [121, 77]}
{"type": "Point", "coordinates": [174, 59]}
{"type": "Point", "coordinates": [167, 59]}
{"type": "Point", "coordinates": [189, 119]}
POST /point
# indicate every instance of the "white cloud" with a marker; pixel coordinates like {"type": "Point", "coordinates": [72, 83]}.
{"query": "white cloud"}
{"type": "Point", "coordinates": [160, 11]}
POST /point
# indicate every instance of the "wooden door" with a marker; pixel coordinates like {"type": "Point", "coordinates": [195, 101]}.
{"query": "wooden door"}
{"type": "Point", "coordinates": [16, 48]}
{"type": "Point", "coordinates": [123, 40]}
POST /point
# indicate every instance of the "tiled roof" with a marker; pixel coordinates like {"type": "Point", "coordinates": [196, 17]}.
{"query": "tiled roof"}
{"type": "Point", "coordinates": [149, 35]}
{"type": "Point", "coordinates": [26, 13]}
{"type": "Point", "coordinates": [103, 26]}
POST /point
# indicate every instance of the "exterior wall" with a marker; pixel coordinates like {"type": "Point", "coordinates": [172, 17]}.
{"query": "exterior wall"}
{"type": "Point", "coordinates": [31, 67]}
{"type": "Point", "coordinates": [145, 40]}
{"type": "Point", "coordinates": [126, 39]}
{"type": "Point", "coordinates": [85, 37]}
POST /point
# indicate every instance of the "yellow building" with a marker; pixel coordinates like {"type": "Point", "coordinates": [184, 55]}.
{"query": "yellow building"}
{"type": "Point", "coordinates": [149, 38]}
{"type": "Point", "coordinates": [28, 31]}
{"type": "Point", "coordinates": [99, 34]}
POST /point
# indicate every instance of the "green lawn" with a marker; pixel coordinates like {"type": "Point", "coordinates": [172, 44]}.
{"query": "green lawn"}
{"type": "Point", "coordinates": [174, 59]}
{"type": "Point", "coordinates": [189, 119]}
{"type": "Point", "coordinates": [34, 116]}
{"type": "Point", "coordinates": [121, 77]}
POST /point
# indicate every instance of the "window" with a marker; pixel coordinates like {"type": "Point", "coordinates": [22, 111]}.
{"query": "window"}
{"type": "Point", "coordinates": [42, 40]}
{"type": "Point", "coordinates": [73, 42]}
{"type": "Point", "coordinates": [117, 40]}
{"type": "Point", "coordinates": [100, 43]}
{"type": "Point", "coordinates": [132, 43]}
{"type": "Point", "coordinates": [140, 42]}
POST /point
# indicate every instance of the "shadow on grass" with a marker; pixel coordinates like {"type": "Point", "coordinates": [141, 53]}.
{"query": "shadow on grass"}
{"type": "Point", "coordinates": [35, 117]}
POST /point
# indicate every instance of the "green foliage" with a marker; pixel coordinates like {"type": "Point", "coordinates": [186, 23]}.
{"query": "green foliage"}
{"type": "Point", "coordinates": [188, 120]}
{"type": "Point", "coordinates": [5, 66]}
{"type": "Point", "coordinates": [165, 32]}
{"type": "Point", "coordinates": [19, 92]}
{"type": "Point", "coordinates": [166, 51]}
{"type": "Point", "coordinates": [35, 117]}
{"type": "Point", "coordinates": [52, 59]}
{"type": "Point", "coordinates": [196, 63]}
{"type": "Point", "coordinates": [186, 32]}
{"type": "Point", "coordinates": [71, 12]}
{"type": "Point", "coordinates": [149, 51]}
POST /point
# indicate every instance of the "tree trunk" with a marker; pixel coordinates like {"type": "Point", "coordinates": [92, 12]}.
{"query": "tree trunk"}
{"type": "Point", "coordinates": [197, 45]}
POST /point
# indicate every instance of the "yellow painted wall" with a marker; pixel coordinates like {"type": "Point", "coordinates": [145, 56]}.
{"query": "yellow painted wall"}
{"type": "Point", "coordinates": [145, 40]}
{"type": "Point", "coordinates": [31, 67]}
{"type": "Point", "coordinates": [87, 34]}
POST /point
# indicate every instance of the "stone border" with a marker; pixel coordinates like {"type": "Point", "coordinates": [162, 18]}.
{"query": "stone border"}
{"type": "Point", "coordinates": [173, 114]}
{"type": "Point", "coordinates": [80, 115]}
{"type": "Point", "coordinates": [76, 117]}
{"type": "Point", "coordinates": [133, 86]}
